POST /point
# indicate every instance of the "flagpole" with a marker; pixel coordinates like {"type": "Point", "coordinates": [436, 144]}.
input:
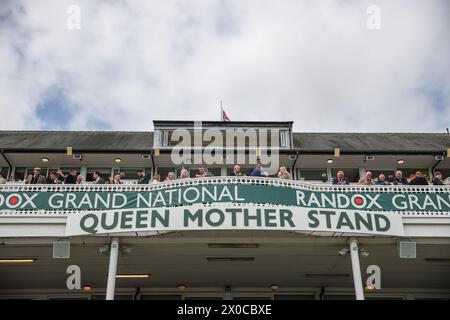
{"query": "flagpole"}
{"type": "Point", "coordinates": [221, 111]}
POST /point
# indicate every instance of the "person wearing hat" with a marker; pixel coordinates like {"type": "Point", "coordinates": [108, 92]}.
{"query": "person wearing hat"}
{"type": "Point", "coordinates": [36, 177]}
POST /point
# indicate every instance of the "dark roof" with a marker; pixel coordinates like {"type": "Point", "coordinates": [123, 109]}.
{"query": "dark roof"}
{"type": "Point", "coordinates": [79, 140]}
{"type": "Point", "coordinates": [373, 142]}
{"type": "Point", "coordinates": [118, 141]}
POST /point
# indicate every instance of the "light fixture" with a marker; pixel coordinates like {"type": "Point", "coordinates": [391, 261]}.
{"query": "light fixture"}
{"type": "Point", "coordinates": [132, 276]}
{"type": "Point", "coordinates": [363, 253]}
{"type": "Point", "coordinates": [181, 287]}
{"type": "Point", "coordinates": [343, 252]}
{"type": "Point", "coordinates": [87, 288]}
{"type": "Point", "coordinates": [45, 159]}
{"type": "Point", "coordinates": [118, 160]}
{"type": "Point", "coordinates": [274, 287]}
{"type": "Point", "coordinates": [20, 260]}
{"type": "Point", "coordinates": [400, 161]}
{"type": "Point", "coordinates": [330, 161]}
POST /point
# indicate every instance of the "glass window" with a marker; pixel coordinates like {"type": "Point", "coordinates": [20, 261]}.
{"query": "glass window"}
{"type": "Point", "coordinates": [19, 173]}
{"type": "Point", "coordinates": [105, 173]}
{"type": "Point", "coordinates": [351, 173]}
{"type": "Point", "coordinates": [313, 174]}
{"type": "Point", "coordinates": [4, 172]}
{"type": "Point", "coordinates": [127, 173]}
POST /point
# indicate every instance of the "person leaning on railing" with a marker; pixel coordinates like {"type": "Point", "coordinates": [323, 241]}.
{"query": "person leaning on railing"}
{"type": "Point", "coordinates": [438, 180]}
{"type": "Point", "coordinates": [284, 174]}
{"type": "Point", "coordinates": [340, 179]}
{"type": "Point", "coordinates": [36, 177]}
{"type": "Point", "coordinates": [143, 178]}
{"type": "Point", "coordinates": [53, 178]}
{"type": "Point", "coordinates": [419, 180]}
{"type": "Point", "coordinates": [367, 179]}
{"type": "Point", "coordinates": [399, 179]}
{"type": "Point", "coordinates": [382, 180]}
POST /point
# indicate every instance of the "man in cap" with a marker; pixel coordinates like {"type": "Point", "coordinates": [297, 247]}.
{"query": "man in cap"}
{"type": "Point", "coordinates": [36, 177]}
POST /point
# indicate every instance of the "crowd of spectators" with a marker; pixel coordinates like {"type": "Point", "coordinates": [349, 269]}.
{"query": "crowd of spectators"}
{"type": "Point", "coordinates": [58, 177]}
{"type": "Point", "coordinates": [417, 179]}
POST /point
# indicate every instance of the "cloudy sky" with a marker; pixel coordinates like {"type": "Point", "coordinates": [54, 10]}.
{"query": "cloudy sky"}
{"type": "Point", "coordinates": [313, 62]}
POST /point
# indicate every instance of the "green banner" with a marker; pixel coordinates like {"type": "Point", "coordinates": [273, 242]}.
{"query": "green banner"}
{"type": "Point", "coordinates": [170, 196]}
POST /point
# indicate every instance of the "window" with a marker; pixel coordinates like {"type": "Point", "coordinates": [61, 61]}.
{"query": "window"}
{"type": "Point", "coordinates": [313, 174]}
{"type": "Point", "coordinates": [105, 173]}
{"type": "Point", "coordinates": [4, 172]}
{"type": "Point", "coordinates": [127, 173]}
{"type": "Point", "coordinates": [284, 138]}
{"type": "Point", "coordinates": [351, 173]}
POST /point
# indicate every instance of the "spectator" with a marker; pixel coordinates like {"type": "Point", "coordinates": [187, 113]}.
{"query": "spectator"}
{"type": "Point", "coordinates": [202, 172]}
{"type": "Point", "coordinates": [340, 179]}
{"type": "Point", "coordinates": [437, 180]}
{"type": "Point", "coordinates": [284, 174]}
{"type": "Point", "coordinates": [117, 180]}
{"type": "Point", "coordinates": [257, 171]}
{"type": "Point", "coordinates": [72, 177]}
{"type": "Point", "coordinates": [36, 177]}
{"type": "Point", "coordinates": [171, 176]}
{"type": "Point", "coordinates": [184, 174]}
{"type": "Point", "coordinates": [367, 179]}
{"type": "Point", "coordinates": [2, 180]}
{"type": "Point", "coordinates": [53, 178]}
{"type": "Point", "coordinates": [236, 171]}
{"type": "Point", "coordinates": [419, 180]}
{"type": "Point", "coordinates": [98, 179]}
{"type": "Point", "coordinates": [80, 179]}
{"type": "Point", "coordinates": [156, 178]}
{"type": "Point", "coordinates": [382, 180]}
{"type": "Point", "coordinates": [143, 178]}
{"type": "Point", "coordinates": [399, 179]}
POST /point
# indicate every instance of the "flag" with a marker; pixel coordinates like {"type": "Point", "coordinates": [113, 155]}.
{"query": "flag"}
{"type": "Point", "coordinates": [225, 116]}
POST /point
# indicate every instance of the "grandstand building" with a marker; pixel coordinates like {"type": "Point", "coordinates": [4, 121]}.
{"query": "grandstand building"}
{"type": "Point", "coordinates": [223, 236]}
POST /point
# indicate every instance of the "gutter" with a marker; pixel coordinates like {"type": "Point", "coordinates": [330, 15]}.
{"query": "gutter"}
{"type": "Point", "coordinates": [153, 161]}
{"type": "Point", "coordinates": [7, 161]}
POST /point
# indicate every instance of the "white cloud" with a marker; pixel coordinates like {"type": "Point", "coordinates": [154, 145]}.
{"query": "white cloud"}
{"type": "Point", "coordinates": [313, 62]}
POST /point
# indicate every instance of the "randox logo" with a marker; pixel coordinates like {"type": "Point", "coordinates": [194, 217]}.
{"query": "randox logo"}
{"type": "Point", "coordinates": [18, 200]}
{"type": "Point", "coordinates": [338, 200]}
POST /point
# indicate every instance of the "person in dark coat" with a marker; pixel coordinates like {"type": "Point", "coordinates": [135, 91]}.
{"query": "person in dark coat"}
{"type": "Point", "coordinates": [340, 179]}
{"type": "Point", "coordinates": [98, 179]}
{"type": "Point", "coordinates": [71, 178]}
{"type": "Point", "coordinates": [143, 178]}
{"type": "Point", "coordinates": [400, 179]}
{"type": "Point", "coordinates": [438, 179]}
{"type": "Point", "coordinates": [419, 180]}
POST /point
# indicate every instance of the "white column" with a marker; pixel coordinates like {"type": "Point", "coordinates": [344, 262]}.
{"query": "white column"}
{"type": "Point", "coordinates": [113, 256]}
{"type": "Point", "coordinates": [354, 254]}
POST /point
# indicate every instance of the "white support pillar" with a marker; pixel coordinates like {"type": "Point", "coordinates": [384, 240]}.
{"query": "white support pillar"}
{"type": "Point", "coordinates": [113, 256]}
{"type": "Point", "coordinates": [354, 254]}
